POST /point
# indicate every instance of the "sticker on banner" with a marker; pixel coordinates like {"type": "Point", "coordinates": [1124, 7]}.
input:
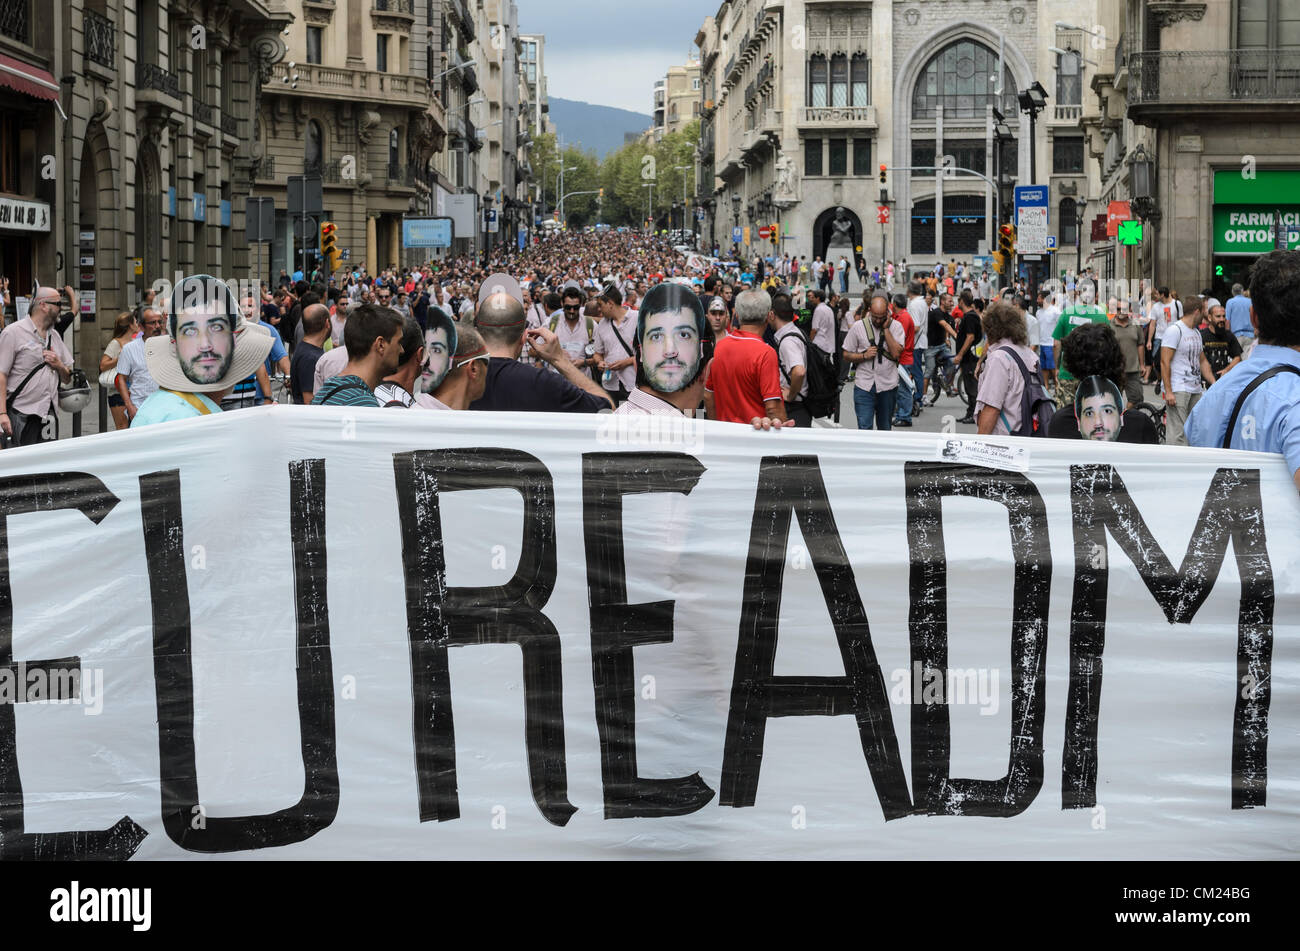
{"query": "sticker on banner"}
{"type": "Point", "coordinates": [977, 452]}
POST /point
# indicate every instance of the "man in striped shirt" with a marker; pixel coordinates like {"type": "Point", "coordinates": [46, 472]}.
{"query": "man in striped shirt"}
{"type": "Point", "coordinates": [373, 337]}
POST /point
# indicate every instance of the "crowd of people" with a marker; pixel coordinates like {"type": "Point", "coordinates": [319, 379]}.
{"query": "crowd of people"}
{"type": "Point", "coordinates": [618, 320]}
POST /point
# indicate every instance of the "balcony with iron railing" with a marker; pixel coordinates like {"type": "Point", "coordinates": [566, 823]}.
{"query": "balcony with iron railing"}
{"type": "Point", "coordinates": [394, 6]}
{"type": "Point", "coordinates": [399, 89]}
{"type": "Point", "coordinates": [400, 176]}
{"type": "Point", "coordinates": [265, 171]}
{"type": "Point", "coordinates": [203, 112]}
{"type": "Point", "coordinates": [727, 70]}
{"type": "Point", "coordinates": [150, 78]}
{"type": "Point", "coordinates": [466, 19]}
{"type": "Point", "coordinates": [100, 34]}
{"type": "Point", "coordinates": [15, 20]}
{"type": "Point", "coordinates": [827, 117]}
{"type": "Point", "coordinates": [764, 74]}
{"type": "Point", "coordinates": [331, 173]}
{"type": "Point", "coordinates": [1180, 81]}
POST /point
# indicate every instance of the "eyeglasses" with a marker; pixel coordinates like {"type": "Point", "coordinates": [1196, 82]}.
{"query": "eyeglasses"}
{"type": "Point", "coordinates": [481, 356]}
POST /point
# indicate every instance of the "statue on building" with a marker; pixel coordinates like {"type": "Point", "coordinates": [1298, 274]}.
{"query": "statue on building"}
{"type": "Point", "coordinates": [787, 182]}
{"type": "Point", "coordinates": [841, 232]}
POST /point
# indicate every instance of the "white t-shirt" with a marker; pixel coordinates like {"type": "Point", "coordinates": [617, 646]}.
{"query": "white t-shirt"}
{"type": "Point", "coordinates": [823, 322]}
{"type": "Point", "coordinates": [1185, 367]}
{"type": "Point", "coordinates": [1047, 319]}
{"type": "Point", "coordinates": [920, 315]}
{"type": "Point", "coordinates": [790, 353]}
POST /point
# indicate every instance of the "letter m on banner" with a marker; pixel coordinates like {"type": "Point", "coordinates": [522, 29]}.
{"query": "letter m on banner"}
{"type": "Point", "coordinates": [1232, 512]}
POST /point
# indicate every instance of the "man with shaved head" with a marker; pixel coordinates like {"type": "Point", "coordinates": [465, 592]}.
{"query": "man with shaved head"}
{"type": "Point", "coordinates": [302, 368]}
{"type": "Point", "coordinates": [515, 386]}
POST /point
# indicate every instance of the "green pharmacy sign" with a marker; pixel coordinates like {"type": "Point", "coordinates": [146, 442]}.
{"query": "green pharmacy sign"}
{"type": "Point", "coordinates": [1248, 229]}
{"type": "Point", "coordinates": [1130, 232]}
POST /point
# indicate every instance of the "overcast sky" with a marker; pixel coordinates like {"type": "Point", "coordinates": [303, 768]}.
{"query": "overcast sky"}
{"type": "Point", "coordinates": [610, 52]}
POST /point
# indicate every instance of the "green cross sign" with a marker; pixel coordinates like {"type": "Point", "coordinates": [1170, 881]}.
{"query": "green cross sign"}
{"type": "Point", "coordinates": [1130, 232]}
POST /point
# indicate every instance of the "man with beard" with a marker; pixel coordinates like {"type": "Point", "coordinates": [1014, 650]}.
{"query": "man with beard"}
{"type": "Point", "coordinates": [672, 338]}
{"type": "Point", "coordinates": [1222, 348]}
{"type": "Point", "coordinates": [439, 344]}
{"type": "Point", "coordinates": [211, 347]}
{"type": "Point", "coordinates": [373, 337]}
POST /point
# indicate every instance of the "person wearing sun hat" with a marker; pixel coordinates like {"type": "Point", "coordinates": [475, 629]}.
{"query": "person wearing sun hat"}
{"type": "Point", "coordinates": [209, 347]}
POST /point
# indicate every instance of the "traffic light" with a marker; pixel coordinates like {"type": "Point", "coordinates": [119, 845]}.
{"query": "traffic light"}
{"type": "Point", "coordinates": [999, 262]}
{"type": "Point", "coordinates": [601, 195]}
{"type": "Point", "coordinates": [329, 246]}
{"type": "Point", "coordinates": [884, 171]}
{"type": "Point", "coordinates": [1007, 240]}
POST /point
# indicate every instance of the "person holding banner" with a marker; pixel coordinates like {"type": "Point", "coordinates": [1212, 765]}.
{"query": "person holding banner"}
{"type": "Point", "coordinates": [209, 348]}
{"type": "Point", "coordinates": [1093, 352]}
{"type": "Point", "coordinates": [466, 377]}
{"type": "Point", "coordinates": [1256, 405]}
{"type": "Point", "coordinates": [673, 347]}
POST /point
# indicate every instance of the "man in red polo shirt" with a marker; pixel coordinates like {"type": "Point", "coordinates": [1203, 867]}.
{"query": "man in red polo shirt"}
{"type": "Point", "coordinates": [744, 384]}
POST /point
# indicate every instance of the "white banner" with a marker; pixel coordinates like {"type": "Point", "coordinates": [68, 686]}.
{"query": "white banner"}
{"type": "Point", "coordinates": [325, 633]}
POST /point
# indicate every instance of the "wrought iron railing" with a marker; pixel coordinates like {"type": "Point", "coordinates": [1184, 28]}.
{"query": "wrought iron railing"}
{"type": "Point", "coordinates": [15, 19]}
{"type": "Point", "coordinates": [203, 112]}
{"type": "Point", "coordinates": [265, 170]}
{"type": "Point", "coordinates": [1195, 77]}
{"type": "Point", "coordinates": [401, 175]}
{"type": "Point", "coordinates": [764, 74]}
{"type": "Point", "coordinates": [152, 76]}
{"type": "Point", "coordinates": [331, 173]}
{"type": "Point", "coordinates": [101, 38]}
{"type": "Point", "coordinates": [466, 20]}
{"type": "Point", "coordinates": [395, 6]}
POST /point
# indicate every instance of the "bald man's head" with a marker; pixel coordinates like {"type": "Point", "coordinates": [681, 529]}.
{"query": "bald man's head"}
{"type": "Point", "coordinates": [314, 318]}
{"type": "Point", "coordinates": [500, 319]}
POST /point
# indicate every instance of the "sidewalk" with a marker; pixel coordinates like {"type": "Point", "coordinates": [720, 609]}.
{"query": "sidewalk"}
{"type": "Point", "coordinates": [89, 415]}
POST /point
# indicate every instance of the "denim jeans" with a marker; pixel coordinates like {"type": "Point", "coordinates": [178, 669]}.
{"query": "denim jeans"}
{"type": "Point", "coordinates": [903, 399]}
{"type": "Point", "coordinates": [874, 407]}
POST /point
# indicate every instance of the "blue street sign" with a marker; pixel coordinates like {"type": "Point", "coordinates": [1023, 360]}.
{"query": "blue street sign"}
{"type": "Point", "coordinates": [1051, 242]}
{"type": "Point", "coordinates": [1031, 196]}
{"type": "Point", "coordinates": [736, 235]}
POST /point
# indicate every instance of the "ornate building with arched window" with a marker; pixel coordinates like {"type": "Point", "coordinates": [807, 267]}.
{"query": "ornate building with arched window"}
{"type": "Point", "coordinates": [804, 100]}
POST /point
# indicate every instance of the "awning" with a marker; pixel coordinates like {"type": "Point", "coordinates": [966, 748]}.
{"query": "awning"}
{"type": "Point", "coordinates": [26, 79]}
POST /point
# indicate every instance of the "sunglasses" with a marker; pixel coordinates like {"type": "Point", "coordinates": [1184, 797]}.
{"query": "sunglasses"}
{"type": "Point", "coordinates": [481, 356]}
{"type": "Point", "coordinates": [571, 306]}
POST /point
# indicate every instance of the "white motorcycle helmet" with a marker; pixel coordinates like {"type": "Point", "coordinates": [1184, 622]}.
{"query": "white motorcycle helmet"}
{"type": "Point", "coordinates": [76, 396]}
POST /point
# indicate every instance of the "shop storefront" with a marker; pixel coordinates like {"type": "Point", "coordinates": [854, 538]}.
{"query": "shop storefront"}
{"type": "Point", "coordinates": [1245, 209]}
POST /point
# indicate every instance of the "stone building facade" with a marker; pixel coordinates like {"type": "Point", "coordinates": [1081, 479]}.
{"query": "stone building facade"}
{"type": "Point", "coordinates": [1209, 94]}
{"type": "Point", "coordinates": [144, 161]}
{"type": "Point", "coordinates": [803, 100]}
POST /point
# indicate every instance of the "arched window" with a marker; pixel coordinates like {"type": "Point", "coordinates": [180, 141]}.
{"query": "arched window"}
{"type": "Point", "coordinates": [839, 80]}
{"type": "Point", "coordinates": [817, 80]}
{"type": "Point", "coordinates": [313, 157]}
{"type": "Point", "coordinates": [860, 76]}
{"type": "Point", "coordinates": [1069, 222]}
{"type": "Point", "coordinates": [392, 149]}
{"type": "Point", "coordinates": [962, 77]}
{"type": "Point", "coordinates": [1069, 79]}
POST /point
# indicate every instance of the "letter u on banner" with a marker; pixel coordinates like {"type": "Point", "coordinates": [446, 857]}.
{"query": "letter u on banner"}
{"type": "Point", "coordinates": [164, 542]}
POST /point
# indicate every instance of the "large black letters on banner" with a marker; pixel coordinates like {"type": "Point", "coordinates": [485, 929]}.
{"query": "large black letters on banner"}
{"type": "Point", "coordinates": [164, 542]}
{"type": "Point", "coordinates": [47, 492]}
{"type": "Point", "coordinates": [793, 485]}
{"type": "Point", "coordinates": [935, 791]}
{"type": "Point", "coordinates": [439, 617]}
{"type": "Point", "coordinates": [1232, 511]}
{"type": "Point", "coordinates": [617, 627]}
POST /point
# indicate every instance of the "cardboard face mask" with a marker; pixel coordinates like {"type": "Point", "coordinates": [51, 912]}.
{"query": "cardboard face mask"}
{"type": "Point", "coordinates": [439, 347]}
{"type": "Point", "coordinates": [1099, 409]}
{"type": "Point", "coordinates": [204, 313]}
{"type": "Point", "coordinates": [672, 334]}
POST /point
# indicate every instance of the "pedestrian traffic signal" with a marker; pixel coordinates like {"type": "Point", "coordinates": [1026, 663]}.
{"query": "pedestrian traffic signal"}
{"type": "Point", "coordinates": [884, 171]}
{"type": "Point", "coordinates": [329, 246]}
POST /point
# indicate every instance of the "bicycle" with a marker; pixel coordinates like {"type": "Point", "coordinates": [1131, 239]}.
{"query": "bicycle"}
{"type": "Point", "coordinates": [280, 390]}
{"type": "Point", "coordinates": [1157, 416]}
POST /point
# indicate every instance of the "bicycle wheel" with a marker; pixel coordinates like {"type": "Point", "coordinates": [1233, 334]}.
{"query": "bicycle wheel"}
{"type": "Point", "coordinates": [968, 386]}
{"type": "Point", "coordinates": [1157, 417]}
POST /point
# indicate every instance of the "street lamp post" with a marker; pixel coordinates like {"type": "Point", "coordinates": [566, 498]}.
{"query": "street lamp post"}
{"type": "Point", "coordinates": [1080, 209]}
{"type": "Point", "coordinates": [1033, 100]}
{"type": "Point", "coordinates": [563, 169]}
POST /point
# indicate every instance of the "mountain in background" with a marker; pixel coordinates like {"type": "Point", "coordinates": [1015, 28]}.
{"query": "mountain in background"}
{"type": "Point", "coordinates": [598, 128]}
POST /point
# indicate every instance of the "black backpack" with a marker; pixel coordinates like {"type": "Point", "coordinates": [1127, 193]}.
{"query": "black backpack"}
{"type": "Point", "coordinates": [823, 382]}
{"type": "Point", "coordinates": [1036, 407]}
